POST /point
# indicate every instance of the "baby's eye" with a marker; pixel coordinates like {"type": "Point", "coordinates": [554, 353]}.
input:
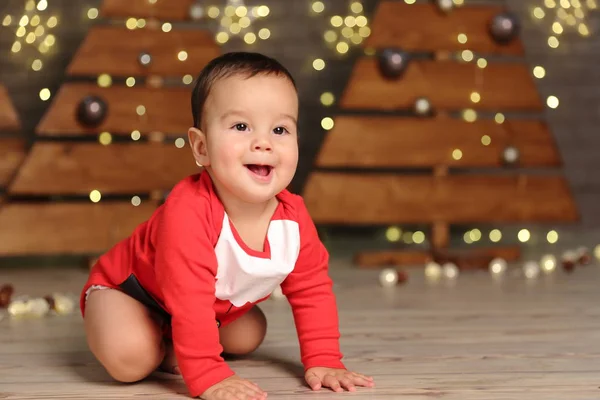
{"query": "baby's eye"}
{"type": "Point", "coordinates": [279, 130]}
{"type": "Point", "coordinates": [240, 127]}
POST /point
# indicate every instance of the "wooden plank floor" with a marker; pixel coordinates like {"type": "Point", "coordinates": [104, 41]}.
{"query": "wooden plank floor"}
{"type": "Point", "coordinates": [470, 339]}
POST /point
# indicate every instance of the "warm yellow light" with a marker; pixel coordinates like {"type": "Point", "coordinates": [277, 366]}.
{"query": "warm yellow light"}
{"type": "Point", "coordinates": [410, 1]}
{"type": "Point", "coordinates": [318, 64]}
{"type": "Point", "coordinates": [486, 140]}
{"type": "Point", "coordinates": [318, 6]}
{"type": "Point", "coordinates": [166, 27]}
{"type": "Point", "coordinates": [499, 118]}
{"type": "Point", "coordinates": [327, 98]}
{"type": "Point", "coordinates": [459, 2]}
{"type": "Point", "coordinates": [495, 235]}
{"type": "Point", "coordinates": [583, 30]}
{"type": "Point", "coordinates": [52, 22]}
{"type": "Point", "coordinates": [418, 237]}
{"type": "Point", "coordinates": [136, 135]}
{"type": "Point", "coordinates": [235, 28]}
{"type": "Point", "coordinates": [16, 47]}
{"type": "Point", "coordinates": [475, 235]}
{"type": "Point", "coordinates": [482, 63]}
{"type": "Point", "coordinates": [229, 11]}
{"type": "Point", "coordinates": [552, 101]}
{"type": "Point", "coordinates": [42, 5]}
{"type": "Point", "coordinates": [105, 138]}
{"type": "Point", "coordinates": [393, 234]}
{"type": "Point", "coordinates": [141, 23]}
{"type": "Point", "coordinates": [249, 38]}
{"type": "Point", "coordinates": [24, 21]}
{"type": "Point", "coordinates": [553, 42]}
{"type": "Point", "coordinates": [557, 28]}
{"type": "Point", "coordinates": [140, 110]}
{"type": "Point", "coordinates": [130, 82]}
{"type": "Point", "coordinates": [39, 31]}
{"type": "Point", "coordinates": [35, 21]}
{"type": "Point", "coordinates": [136, 201]}
{"type": "Point", "coordinates": [336, 21]}
{"type": "Point", "coordinates": [330, 36]}
{"type": "Point", "coordinates": [523, 235]}
{"type": "Point", "coordinates": [30, 38]}
{"type": "Point", "coordinates": [565, 4]}
{"type": "Point", "coordinates": [37, 65]}
{"type": "Point", "coordinates": [356, 7]}
{"type": "Point", "coordinates": [7, 20]}
{"type": "Point", "coordinates": [187, 79]}
{"type": "Point", "coordinates": [182, 55]}
{"type": "Point", "coordinates": [104, 80]}
{"type": "Point", "coordinates": [92, 13]}
{"type": "Point", "coordinates": [470, 115]}
{"type": "Point", "coordinates": [131, 23]}
{"type": "Point", "coordinates": [361, 21]}
{"type": "Point", "coordinates": [30, 5]}
{"type": "Point", "coordinates": [21, 31]}
{"type": "Point", "coordinates": [592, 4]}
{"type": "Point", "coordinates": [457, 154]}
{"type": "Point", "coordinates": [538, 13]}
{"type": "Point", "coordinates": [45, 94]}
{"type": "Point", "coordinates": [179, 143]}
{"type": "Point", "coordinates": [347, 32]}
{"type": "Point", "coordinates": [467, 237]}
{"type": "Point", "coordinates": [213, 12]}
{"type": "Point", "coordinates": [244, 22]}
{"type": "Point", "coordinates": [350, 21]}
{"type": "Point", "coordinates": [263, 11]}
{"type": "Point", "coordinates": [327, 123]}
{"type": "Point", "coordinates": [539, 72]}
{"type": "Point", "coordinates": [264, 33]}
{"type": "Point", "coordinates": [552, 237]}
{"type": "Point", "coordinates": [462, 38]}
{"type": "Point", "coordinates": [475, 97]}
{"type": "Point", "coordinates": [95, 196]}
{"type": "Point", "coordinates": [549, 3]}
{"type": "Point", "coordinates": [222, 37]}
{"type": "Point", "coordinates": [579, 13]}
{"type": "Point", "coordinates": [467, 55]}
{"type": "Point", "coordinates": [50, 40]}
{"type": "Point", "coordinates": [241, 11]}
{"type": "Point", "coordinates": [342, 47]}
{"type": "Point", "coordinates": [364, 31]}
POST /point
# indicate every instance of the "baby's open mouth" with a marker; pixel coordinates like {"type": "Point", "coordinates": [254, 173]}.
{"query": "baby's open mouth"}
{"type": "Point", "coordinates": [261, 170]}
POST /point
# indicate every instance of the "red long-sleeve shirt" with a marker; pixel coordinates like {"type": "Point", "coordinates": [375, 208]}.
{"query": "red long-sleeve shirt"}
{"type": "Point", "coordinates": [191, 260]}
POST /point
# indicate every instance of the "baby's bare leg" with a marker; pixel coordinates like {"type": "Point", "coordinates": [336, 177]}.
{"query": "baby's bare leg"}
{"type": "Point", "coordinates": [240, 337]}
{"type": "Point", "coordinates": [122, 334]}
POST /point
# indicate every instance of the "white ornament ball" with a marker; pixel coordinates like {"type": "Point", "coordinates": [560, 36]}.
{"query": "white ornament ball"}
{"type": "Point", "coordinates": [450, 270]}
{"type": "Point", "coordinates": [63, 304]}
{"type": "Point", "coordinates": [388, 277]}
{"type": "Point", "coordinates": [510, 155]}
{"type": "Point", "coordinates": [433, 270]}
{"type": "Point", "coordinates": [445, 5]}
{"type": "Point", "coordinates": [422, 106]}
{"type": "Point", "coordinates": [18, 308]}
{"type": "Point", "coordinates": [145, 59]}
{"type": "Point", "coordinates": [498, 266]}
{"type": "Point", "coordinates": [531, 269]}
{"type": "Point", "coordinates": [548, 263]}
{"type": "Point", "coordinates": [38, 307]}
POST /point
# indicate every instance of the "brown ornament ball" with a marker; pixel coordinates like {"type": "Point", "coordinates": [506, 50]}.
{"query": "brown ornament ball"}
{"type": "Point", "coordinates": [583, 256]}
{"type": "Point", "coordinates": [6, 292]}
{"type": "Point", "coordinates": [569, 261]}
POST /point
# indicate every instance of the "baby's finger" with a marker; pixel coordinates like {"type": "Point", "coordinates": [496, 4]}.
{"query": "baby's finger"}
{"type": "Point", "coordinates": [313, 381]}
{"type": "Point", "coordinates": [346, 382]}
{"type": "Point", "coordinates": [332, 382]}
{"type": "Point", "coordinates": [253, 386]}
{"type": "Point", "coordinates": [248, 391]}
{"type": "Point", "coordinates": [362, 380]}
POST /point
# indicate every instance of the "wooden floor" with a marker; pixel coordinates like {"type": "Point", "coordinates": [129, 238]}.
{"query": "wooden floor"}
{"type": "Point", "coordinates": [471, 339]}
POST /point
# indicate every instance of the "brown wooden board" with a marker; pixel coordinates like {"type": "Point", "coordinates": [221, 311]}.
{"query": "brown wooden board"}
{"type": "Point", "coordinates": [373, 141]}
{"type": "Point", "coordinates": [67, 228]}
{"type": "Point", "coordinates": [79, 168]}
{"type": "Point", "coordinates": [12, 153]}
{"type": "Point", "coordinates": [168, 110]}
{"type": "Point", "coordinates": [115, 50]}
{"type": "Point", "coordinates": [466, 259]}
{"type": "Point", "coordinates": [422, 27]}
{"type": "Point", "coordinates": [447, 84]}
{"type": "Point", "coordinates": [9, 120]}
{"type": "Point", "coordinates": [352, 199]}
{"type": "Point", "coordinates": [161, 9]}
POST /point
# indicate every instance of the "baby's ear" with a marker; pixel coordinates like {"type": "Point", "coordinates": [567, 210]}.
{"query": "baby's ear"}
{"type": "Point", "coordinates": [197, 140]}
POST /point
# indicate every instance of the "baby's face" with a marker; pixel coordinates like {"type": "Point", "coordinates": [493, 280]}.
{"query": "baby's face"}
{"type": "Point", "coordinates": [252, 138]}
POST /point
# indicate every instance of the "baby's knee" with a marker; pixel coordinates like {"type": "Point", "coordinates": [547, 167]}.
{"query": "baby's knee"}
{"type": "Point", "coordinates": [131, 359]}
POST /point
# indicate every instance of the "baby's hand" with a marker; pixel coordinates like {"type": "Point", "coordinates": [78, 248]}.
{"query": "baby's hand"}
{"type": "Point", "coordinates": [234, 388]}
{"type": "Point", "coordinates": [336, 379]}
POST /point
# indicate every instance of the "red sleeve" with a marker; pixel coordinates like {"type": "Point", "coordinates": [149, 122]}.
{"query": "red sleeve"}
{"type": "Point", "coordinates": [185, 268]}
{"type": "Point", "coordinates": [309, 289]}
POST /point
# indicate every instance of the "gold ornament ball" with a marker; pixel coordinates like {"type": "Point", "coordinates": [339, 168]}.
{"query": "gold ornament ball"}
{"type": "Point", "coordinates": [433, 271]}
{"type": "Point", "coordinates": [63, 304]}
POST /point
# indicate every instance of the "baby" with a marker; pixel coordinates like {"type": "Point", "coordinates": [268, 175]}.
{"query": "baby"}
{"type": "Point", "coordinates": [183, 289]}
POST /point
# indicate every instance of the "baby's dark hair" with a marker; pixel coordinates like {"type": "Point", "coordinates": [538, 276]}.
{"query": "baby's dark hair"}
{"type": "Point", "coordinates": [228, 64]}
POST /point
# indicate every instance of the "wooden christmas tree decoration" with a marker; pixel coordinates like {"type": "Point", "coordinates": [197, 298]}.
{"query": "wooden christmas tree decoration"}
{"type": "Point", "coordinates": [468, 165]}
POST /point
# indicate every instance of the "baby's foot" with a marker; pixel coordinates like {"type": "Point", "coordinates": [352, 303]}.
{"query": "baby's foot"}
{"type": "Point", "coordinates": [169, 363]}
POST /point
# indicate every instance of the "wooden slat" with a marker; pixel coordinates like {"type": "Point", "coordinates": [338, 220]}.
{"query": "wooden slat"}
{"type": "Point", "coordinates": [67, 228]}
{"type": "Point", "coordinates": [161, 9]}
{"type": "Point", "coordinates": [78, 168]}
{"type": "Point", "coordinates": [12, 153]}
{"type": "Point", "coordinates": [447, 84]}
{"type": "Point", "coordinates": [114, 50]}
{"type": "Point", "coordinates": [9, 120]}
{"type": "Point", "coordinates": [339, 198]}
{"type": "Point", "coordinates": [414, 142]}
{"type": "Point", "coordinates": [422, 27]}
{"type": "Point", "coordinates": [168, 110]}
{"type": "Point", "coordinates": [471, 259]}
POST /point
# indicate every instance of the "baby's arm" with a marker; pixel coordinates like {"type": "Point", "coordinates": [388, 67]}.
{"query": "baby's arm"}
{"type": "Point", "coordinates": [186, 267]}
{"type": "Point", "coordinates": [309, 289]}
